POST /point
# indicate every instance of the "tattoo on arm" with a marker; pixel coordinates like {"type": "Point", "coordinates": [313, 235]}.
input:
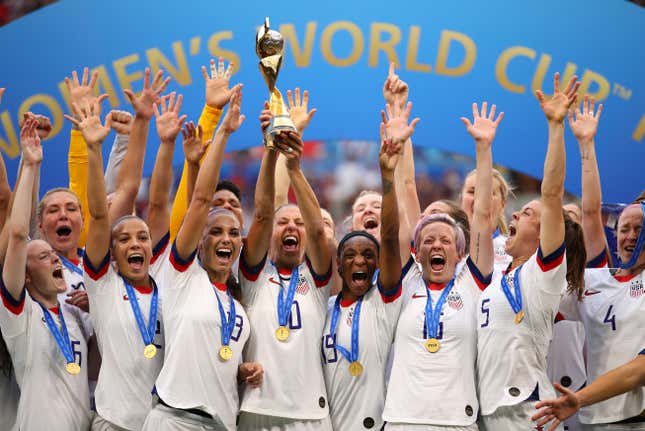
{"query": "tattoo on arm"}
{"type": "Point", "coordinates": [387, 186]}
{"type": "Point", "coordinates": [477, 249]}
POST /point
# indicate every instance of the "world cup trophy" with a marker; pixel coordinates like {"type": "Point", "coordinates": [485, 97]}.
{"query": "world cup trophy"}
{"type": "Point", "coordinates": [269, 46]}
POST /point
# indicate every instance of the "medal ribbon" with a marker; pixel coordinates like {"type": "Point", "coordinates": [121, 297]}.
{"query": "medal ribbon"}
{"type": "Point", "coordinates": [433, 316]}
{"type": "Point", "coordinates": [61, 336]}
{"type": "Point", "coordinates": [284, 305]}
{"type": "Point", "coordinates": [515, 302]}
{"type": "Point", "coordinates": [70, 265]}
{"type": "Point", "coordinates": [496, 233]}
{"type": "Point", "coordinates": [227, 325]}
{"type": "Point", "coordinates": [147, 334]}
{"type": "Point", "coordinates": [353, 356]}
{"type": "Point", "coordinates": [639, 245]}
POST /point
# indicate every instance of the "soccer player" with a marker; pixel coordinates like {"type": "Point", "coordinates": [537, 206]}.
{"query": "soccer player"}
{"type": "Point", "coordinates": [516, 312]}
{"type": "Point", "coordinates": [123, 293]}
{"type": "Point", "coordinates": [46, 343]}
{"type": "Point", "coordinates": [285, 270]}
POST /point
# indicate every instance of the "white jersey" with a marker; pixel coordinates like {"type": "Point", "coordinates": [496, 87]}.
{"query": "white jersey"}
{"type": "Point", "coordinates": [9, 397]}
{"type": "Point", "coordinates": [565, 360]}
{"type": "Point", "coordinates": [50, 398]}
{"type": "Point", "coordinates": [435, 388]}
{"type": "Point", "coordinates": [124, 391]}
{"type": "Point", "coordinates": [73, 275]}
{"type": "Point", "coordinates": [612, 312]}
{"type": "Point", "coordinates": [502, 260]}
{"type": "Point", "coordinates": [357, 402]}
{"type": "Point", "coordinates": [193, 375]}
{"type": "Point", "coordinates": [511, 360]}
{"type": "Point", "coordinates": [293, 385]}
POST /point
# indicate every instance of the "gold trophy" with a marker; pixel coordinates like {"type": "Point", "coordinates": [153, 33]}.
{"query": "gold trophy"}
{"type": "Point", "coordinates": [269, 46]}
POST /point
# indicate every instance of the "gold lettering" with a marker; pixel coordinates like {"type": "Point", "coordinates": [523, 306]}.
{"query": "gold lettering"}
{"type": "Point", "coordinates": [358, 43]}
{"type": "Point", "coordinates": [447, 37]}
{"type": "Point", "coordinates": [51, 104]}
{"type": "Point", "coordinates": [388, 46]}
{"type": "Point", "coordinates": [589, 78]}
{"type": "Point", "coordinates": [125, 80]}
{"type": "Point", "coordinates": [637, 135]}
{"type": "Point", "coordinates": [413, 50]}
{"type": "Point", "coordinates": [11, 147]}
{"type": "Point", "coordinates": [501, 68]}
{"type": "Point", "coordinates": [181, 73]}
{"type": "Point", "coordinates": [217, 51]}
{"type": "Point", "coordinates": [302, 57]}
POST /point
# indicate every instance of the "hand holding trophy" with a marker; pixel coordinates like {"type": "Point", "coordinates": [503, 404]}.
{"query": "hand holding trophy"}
{"type": "Point", "coordinates": [269, 46]}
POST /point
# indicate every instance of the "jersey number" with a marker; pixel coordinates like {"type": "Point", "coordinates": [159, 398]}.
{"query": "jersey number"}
{"type": "Point", "coordinates": [237, 329]}
{"type": "Point", "coordinates": [78, 357]}
{"type": "Point", "coordinates": [328, 349]}
{"type": "Point", "coordinates": [610, 318]}
{"type": "Point", "coordinates": [486, 311]}
{"type": "Point", "coordinates": [295, 321]}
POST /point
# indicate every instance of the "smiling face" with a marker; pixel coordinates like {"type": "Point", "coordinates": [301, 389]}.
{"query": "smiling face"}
{"type": "Point", "coordinates": [437, 252]}
{"type": "Point", "coordinates": [220, 245]}
{"type": "Point", "coordinates": [630, 224]}
{"type": "Point", "coordinates": [366, 214]}
{"type": "Point", "coordinates": [61, 221]}
{"type": "Point", "coordinates": [288, 237]}
{"type": "Point", "coordinates": [524, 231]}
{"type": "Point", "coordinates": [226, 199]}
{"type": "Point", "coordinates": [468, 196]}
{"type": "Point", "coordinates": [44, 271]}
{"type": "Point", "coordinates": [356, 265]}
{"type": "Point", "coordinates": [132, 249]}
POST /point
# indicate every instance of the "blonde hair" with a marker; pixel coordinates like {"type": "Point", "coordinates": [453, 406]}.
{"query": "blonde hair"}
{"type": "Point", "coordinates": [505, 190]}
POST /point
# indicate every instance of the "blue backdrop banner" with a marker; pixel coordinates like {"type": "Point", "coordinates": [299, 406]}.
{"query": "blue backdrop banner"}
{"type": "Point", "coordinates": [451, 53]}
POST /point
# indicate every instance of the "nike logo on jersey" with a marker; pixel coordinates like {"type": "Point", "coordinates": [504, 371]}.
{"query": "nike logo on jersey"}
{"type": "Point", "coordinates": [416, 295]}
{"type": "Point", "coordinates": [591, 292]}
{"type": "Point", "coordinates": [272, 280]}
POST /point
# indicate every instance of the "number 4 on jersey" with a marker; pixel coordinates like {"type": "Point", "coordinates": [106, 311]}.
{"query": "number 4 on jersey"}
{"type": "Point", "coordinates": [610, 318]}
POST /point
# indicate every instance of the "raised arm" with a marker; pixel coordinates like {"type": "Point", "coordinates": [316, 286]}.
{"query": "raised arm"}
{"type": "Point", "coordinates": [122, 125]}
{"type": "Point", "coordinates": [168, 126]}
{"type": "Point", "coordinates": [555, 110]}
{"type": "Point", "coordinates": [483, 129]}
{"type": "Point", "coordinates": [86, 118]}
{"type": "Point", "coordinates": [194, 151]}
{"type": "Point", "coordinates": [396, 128]}
{"type": "Point", "coordinates": [259, 237]}
{"type": "Point", "coordinates": [584, 124]}
{"type": "Point", "coordinates": [191, 230]}
{"type": "Point", "coordinates": [301, 118]}
{"type": "Point", "coordinates": [129, 177]}
{"type": "Point", "coordinates": [13, 271]}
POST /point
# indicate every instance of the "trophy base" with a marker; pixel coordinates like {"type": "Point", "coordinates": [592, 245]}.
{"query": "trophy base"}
{"type": "Point", "coordinates": [279, 124]}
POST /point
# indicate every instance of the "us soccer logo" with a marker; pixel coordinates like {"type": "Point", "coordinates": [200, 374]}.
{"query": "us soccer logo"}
{"type": "Point", "coordinates": [636, 288]}
{"type": "Point", "coordinates": [454, 300]}
{"type": "Point", "coordinates": [303, 287]}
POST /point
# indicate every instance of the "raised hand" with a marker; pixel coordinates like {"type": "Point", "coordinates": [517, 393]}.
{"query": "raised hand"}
{"type": "Point", "coordinates": [396, 127]}
{"type": "Point", "coordinates": [142, 104]}
{"type": "Point", "coordinates": [555, 108]}
{"type": "Point", "coordinates": [395, 91]}
{"type": "Point", "coordinates": [193, 148]}
{"type": "Point", "coordinates": [169, 122]}
{"type": "Point", "coordinates": [265, 117]}
{"type": "Point", "coordinates": [290, 144]}
{"type": "Point", "coordinates": [585, 123]}
{"type": "Point", "coordinates": [233, 119]}
{"type": "Point", "coordinates": [32, 152]}
{"type": "Point", "coordinates": [43, 124]}
{"type": "Point", "coordinates": [88, 121]}
{"type": "Point", "coordinates": [557, 411]}
{"type": "Point", "coordinates": [217, 92]}
{"type": "Point", "coordinates": [483, 128]}
{"type": "Point", "coordinates": [389, 154]}
{"type": "Point", "coordinates": [298, 110]}
{"type": "Point", "coordinates": [81, 91]}
{"type": "Point", "coordinates": [121, 122]}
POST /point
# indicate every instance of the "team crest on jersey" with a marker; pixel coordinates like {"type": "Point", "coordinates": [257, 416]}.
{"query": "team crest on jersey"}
{"type": "Point", "coordinates": [350, 317]}
{"type": "Point", "coordinates": [636, 288]}
{"type": "Point", "coordinates": [454, 300]}
{"type": "Point", "coordinates": [302, 287]}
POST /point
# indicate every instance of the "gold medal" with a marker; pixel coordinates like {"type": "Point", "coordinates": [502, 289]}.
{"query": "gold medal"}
{"type": "Point", "coordinates": [150, 351]}
{"type": "Point", "coordinates": [519, 316]}
{"type": "Point", "coordinates": [73, 368]}
{"type": "Point", "coordinates": [282, 333]}
{"type": "Point", "coordinates": [355, 369]}
{"type": "Point", "coordinates": [225, 353]}
{"type": "Point", "coordinates": [432, 345]}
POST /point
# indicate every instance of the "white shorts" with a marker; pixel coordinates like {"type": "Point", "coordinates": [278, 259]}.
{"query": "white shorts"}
{"type": "Point", "coordinates": [254, 422]}
{"type": "Point", "coordinates": [101, 424]}
{"type": "Point", "coordinates": [422, 427]}
{"type": "Point", "coordinates": [512, 418]}
{"type": "Point", "coordinates": [163, 418]}
{"type": "Point", "coordinates": [640, 426]}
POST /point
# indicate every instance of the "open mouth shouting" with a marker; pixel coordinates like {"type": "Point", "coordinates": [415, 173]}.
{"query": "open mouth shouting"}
{"type": "Point", "coordinates": [136, 260]}
{"type": "Point", "coordinates": [63, 232]}
{"type": "Point", "coordinates": [58, 272]}
{"type": "Point", "coordinates": [360, 279]}
{"type": "Point", "coordinates": [290, 243]}
{"type": "Point", "coordinates": [224, 254]}
{"type": "Point", "coordinates": [370, 222]}
{"type": "Point", "coordinates": [437, 262]}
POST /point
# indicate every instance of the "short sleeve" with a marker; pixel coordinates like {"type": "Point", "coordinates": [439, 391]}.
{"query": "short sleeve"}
{"type": "Point", "coordinates": [15, 313]}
